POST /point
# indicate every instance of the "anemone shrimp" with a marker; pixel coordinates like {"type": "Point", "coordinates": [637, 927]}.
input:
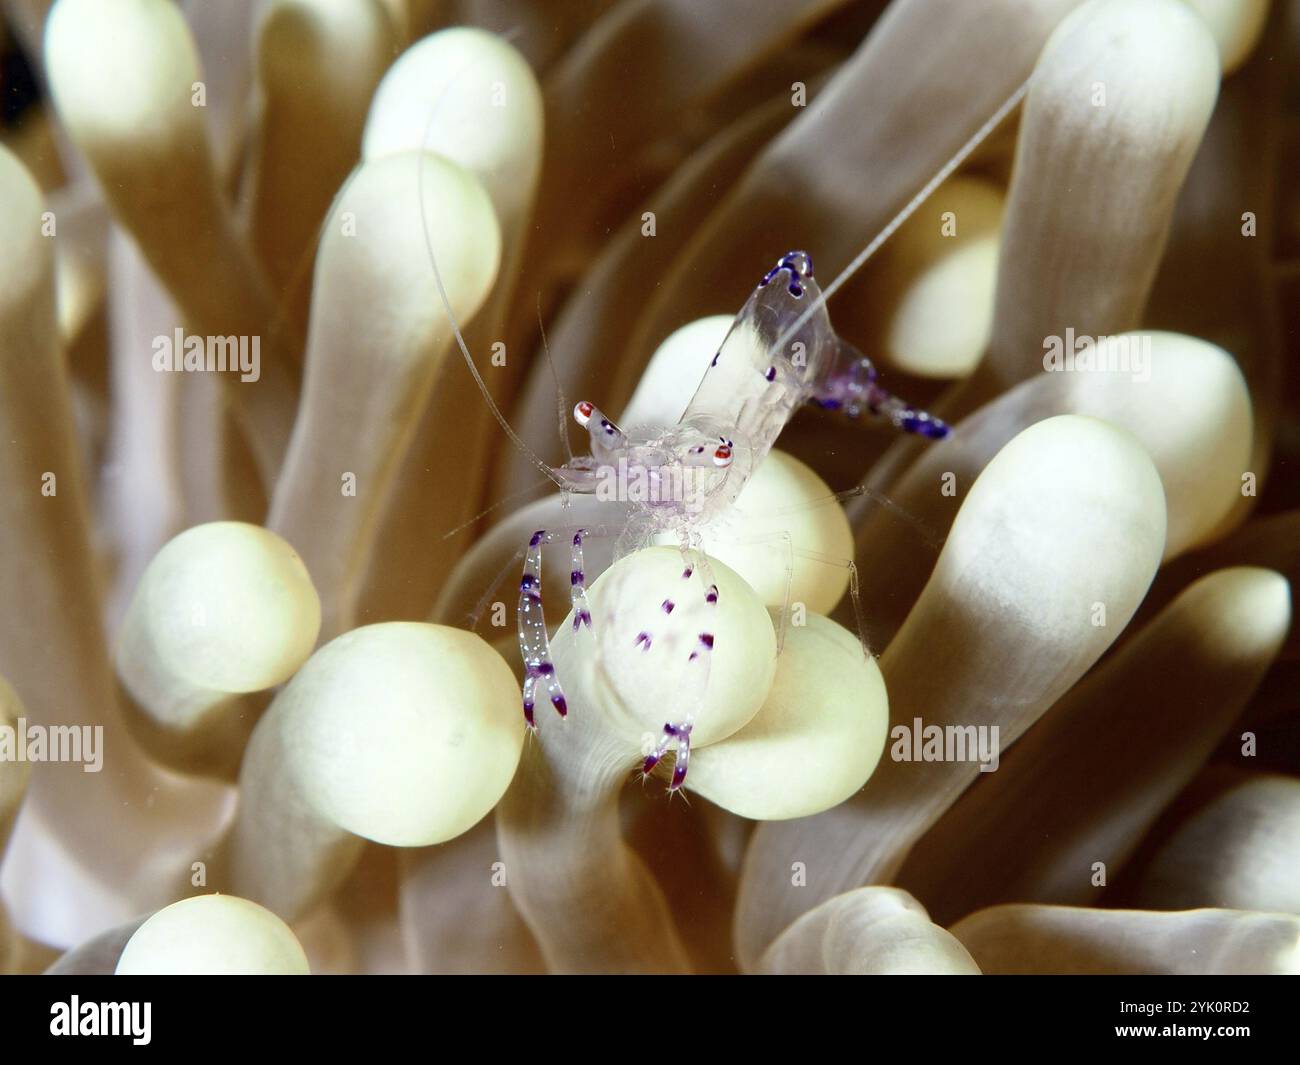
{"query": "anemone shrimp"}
{"type": "Point", "coordinates": [780, 353]}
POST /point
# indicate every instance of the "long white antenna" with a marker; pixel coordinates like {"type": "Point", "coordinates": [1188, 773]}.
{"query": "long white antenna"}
{"type": "Point", "coordinates": [942, 175]}
{"type": "Point", "coordinates": [515, 438]}
{"type": "Point", "coordinates": [927, 190]}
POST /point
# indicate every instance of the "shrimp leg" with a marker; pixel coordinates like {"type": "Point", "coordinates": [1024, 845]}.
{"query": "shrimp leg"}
{"type": "Point", "coordinates": [534, 643]}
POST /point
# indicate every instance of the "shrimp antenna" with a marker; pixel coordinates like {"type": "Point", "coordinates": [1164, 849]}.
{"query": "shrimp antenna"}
{"type": "Point", "coordinates": [515, 438]}
{"type": "Point", "coordinates": [489, 509]}
{"type": "Point", "coordinates": [561, 404]}
{"type": "Point", "coordinates": [910, 208]}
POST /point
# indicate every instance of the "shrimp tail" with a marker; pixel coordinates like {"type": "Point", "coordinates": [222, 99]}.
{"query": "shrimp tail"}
{"type": "Point", "coordinates": [852, 388]}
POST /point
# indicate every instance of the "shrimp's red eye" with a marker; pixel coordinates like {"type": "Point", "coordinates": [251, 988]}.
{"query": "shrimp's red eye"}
{"type": "Point", "coordinates": [722, 456]}
{"type": "Point", "coordinates": [582, 413]}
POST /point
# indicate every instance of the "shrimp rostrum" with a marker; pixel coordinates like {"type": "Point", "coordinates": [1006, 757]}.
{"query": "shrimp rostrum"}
{"type": "Point", "coordinates": [780, 353]}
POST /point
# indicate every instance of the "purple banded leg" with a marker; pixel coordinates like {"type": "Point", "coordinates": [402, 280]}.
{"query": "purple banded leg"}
{"type": "Point", "coordinates": [578, 584]}
{"type": "Point", "coordinates": [681, 735]}
{"type": "Point", "coordinates": [534, 644]}
{"type": "Point", "coordinates": [852, 388]}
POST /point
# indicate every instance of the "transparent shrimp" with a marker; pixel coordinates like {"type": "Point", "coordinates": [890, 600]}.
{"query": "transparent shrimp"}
{"type": "Point", "coordinates": [748, 393]}
{"type": "Point", "coordinates": [780, 354]}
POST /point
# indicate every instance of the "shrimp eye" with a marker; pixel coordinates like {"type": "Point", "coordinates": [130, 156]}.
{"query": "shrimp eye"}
{"type": "Point", "coordinates": [722, 456]}
{"type": "Point", "coordinates": [582, 413]}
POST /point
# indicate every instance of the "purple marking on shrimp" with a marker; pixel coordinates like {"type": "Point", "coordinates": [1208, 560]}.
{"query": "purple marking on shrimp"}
{"type": "Point", "coordinates": [926, 425]}
{"type": "Point", "coordinates": [839, 378]}
{"type": "Point", "coordinates": [534, 646]}
{"type": "Point", "coordinates": [853, 389]}
{"type": "Point", "coordinates": [790, 263]}
{"type": "Point", "coordinates": [560, 705]}
{"type": "Point", "coordinates": [682, 735]}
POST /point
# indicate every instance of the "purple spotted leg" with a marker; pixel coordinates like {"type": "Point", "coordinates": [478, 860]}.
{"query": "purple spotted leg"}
{"type": "Point", "coordinates": [681, 735]}
{"type": "Point", "coordinates": [678, 733]}
{"type": "Point", "coordinates": [534, 643]}
{"type": "Point", "coordinates": [578, 584]}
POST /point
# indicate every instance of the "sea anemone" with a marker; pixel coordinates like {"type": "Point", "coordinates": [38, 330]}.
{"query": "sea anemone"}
{"type": "Point", "coordinates": [293, 296]}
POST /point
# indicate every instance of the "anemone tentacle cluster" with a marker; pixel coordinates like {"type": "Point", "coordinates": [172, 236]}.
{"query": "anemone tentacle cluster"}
{"type": "Point", "coordinates": [293, 295]}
